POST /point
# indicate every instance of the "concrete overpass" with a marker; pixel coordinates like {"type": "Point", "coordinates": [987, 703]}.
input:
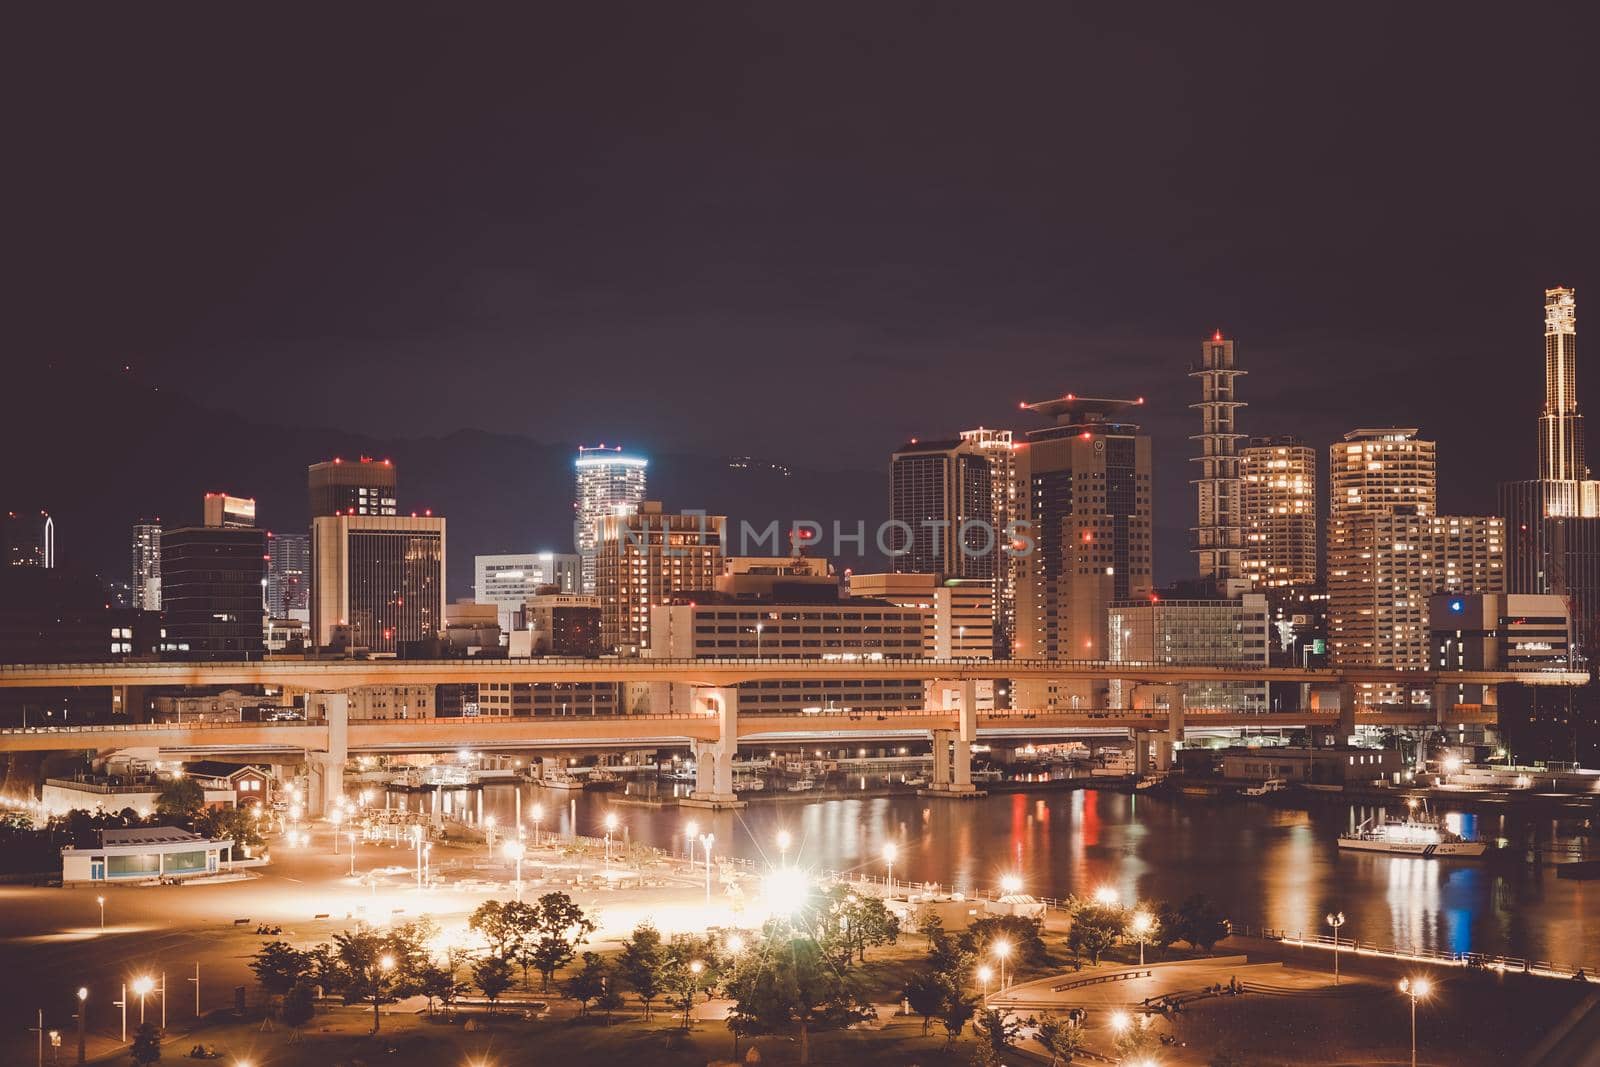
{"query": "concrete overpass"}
{"type": "Point", "coordinates": [714, 727]}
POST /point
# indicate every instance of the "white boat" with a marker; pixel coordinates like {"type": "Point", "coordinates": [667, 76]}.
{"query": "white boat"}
{"type": "Point", "coordinates": [1271, 785]}
{"type": "Point", "coordinates": [802, 785]}
{"type": "Point", "coordinates": [1412, 836]}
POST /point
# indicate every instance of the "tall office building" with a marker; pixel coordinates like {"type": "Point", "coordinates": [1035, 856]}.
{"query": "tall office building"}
{"type": "Point", "coordinates": [1553, 521]}
{"type": "Point", "coordinates": [377, 580]}
{"type": "Point", "coordinates": [366, 486]}
{"type": "Point", "coordinates": [1278, 508]}
{"type": "Point", "coordinates": [609, 482]}
{"type": "Point", "coordinates": [1218, 530]}
{"type": "Point", "coordinates": [1561, 439]}
{"type": "Point", "coordinates": [1388, 552]}
{"type": "Point", "coordinates": [288, 576]}
{"type": "Point", "coordinates": [145, 588]}
{"type": "Point", "coordinates": [507, 581]}
{"type": "Point", "coordinates": [1000, 448]}
{"type": "Point", "coordinates": [211, 592]}
{"type": "Point", "coordinates": [942, 492]}
{"type": "Point", "coordinates": [1083, 487]}
{"type": "Point", "coordinates": [648, 557]}
{"type": "Point", "coordinates": [237, 512]}
{"type": "Point", "coordinates": [28, 540]}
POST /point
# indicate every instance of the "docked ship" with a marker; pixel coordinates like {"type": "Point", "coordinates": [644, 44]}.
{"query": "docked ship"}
{"type": "Point", "coordinates": [1412, 836]}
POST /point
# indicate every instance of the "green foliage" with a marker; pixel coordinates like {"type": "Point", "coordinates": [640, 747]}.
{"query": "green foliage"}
{"type": "Point", "coordinates": [557, 926]}
{"type": "Point", "coordinates": [1061, 1038]}
{"type": "Point", "coordinates": [1095, 928]}
{"type": "Point", "coordinates": [146, 1045]}
{"type": "Point", "coordinates": [589, 982]}
{"type": "Point", "coordinates": [376, 968]}
{"type": "Point", "coordinates": [439, 981]}
{"type": "Point", "coordinates": [299, 1005]}
{"type": "Point", "coordinates": [946, 956]}
{"type": "Point", "coordinates": [927, 992]}
{"type": "Point", "coordinates": [279, 967]}
{"type": "Point", "coordinates": [237, 824]}
{"type": "Point", "coordinates": [503, 924]}
{"type": "Point", "coordinates": [848, 923]}
{"type": "Point", "coordinates": [183, 799]}
{"type": "Point", "coordinates": [1137, 1041]}
{"type": "Point", "coordinates": [792, 984]}
{"type": "Point", "coordinates": [610, 997]}
{"type": "Point", "coordinates": [1024, 934]}
{"type": "Point", "coordinates": [958, 1010]}
{"type": "Point", "coordinates": [998, 1029]}
{"type": "Point", "coordinates": [1203, 923]}
{"type": "Point", "coordinates": [642, 964]}
{"type": "Point", "coordinates": [494, 976]}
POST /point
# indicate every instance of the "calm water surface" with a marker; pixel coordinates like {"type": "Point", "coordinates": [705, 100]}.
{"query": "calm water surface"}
{"type": "Point", "coordinates": [1266, 865]}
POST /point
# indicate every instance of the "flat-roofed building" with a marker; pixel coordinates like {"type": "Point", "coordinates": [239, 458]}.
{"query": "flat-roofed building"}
{"type": "Point", "coordinates": [377, 578]}
{"type": "Point", "coordinates": [648, 557]}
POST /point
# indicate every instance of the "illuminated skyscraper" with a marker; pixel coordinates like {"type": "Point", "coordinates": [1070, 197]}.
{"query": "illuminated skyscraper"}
{"type": "Point", "coordinates": [1218, 531]}
{"type": "Point", "coordinates": [1083, 485]}
{"type": "Point", "coordinates": [943, 493]}
{"type": "Point", "coordinates": [28, 540]}
{"type": "Point", "coordinates": [1561, 444]}
{"type": "Point", "coordinates": [507, 581]}
{"type": "Point", "coordinates": [237, 512]}
{"type": "Point", "coordinates": [146, 583]}
{"type": "Point", "coordinates": [288, 576]}
{"type": "Point", "coordinates": [609, 482]}
{"type": "Point", "coordinates": [1278, 506]}
{"type": "Point", "coordinates": [365, 486]}
{"type": "Point", "coordinates": [378, 580]}
{"type": "Point", "coordinates": [648, 557]}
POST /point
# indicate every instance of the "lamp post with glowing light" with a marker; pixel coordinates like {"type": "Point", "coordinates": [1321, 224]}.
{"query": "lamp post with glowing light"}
{"type": "Point", "coordinates": [351, 839]}
{"type": "Point", "coordinates": [1002, 952]}
{"type": "Point", "coordinates": [706, 841]}
{"type": "Point", "coordinates": [142, 985]}
{"type": "Point", "coordinates": [1141, 925]}
{"type": "Point", "coordinates": [691, 830]}
{"type": "Point", "coordinates": [890, 852]}
{"type": "Point", "coordinates": [1010, 885]}
{"type": "Point", "coordinates": [984, 973]}
{"type": "Point", "coordinates": [611, 826]}
{"type": "Point", "coordinates": [538, 817]}
{"type": "Point", "coordinates": [336, 816]}
{"type": "Point", "coordinates": [1417, 989]}
{"type": "Point", "coordinates": [1335, 919]}
{"type": "Point", "coordinates": [102, 902]}
{"type": "Point", "coordinates": [514, 851]}
{"type": "Point", "coordinates": [83, 1004]}
{"type": "Point", "coordinates": [783, 848]}
{"type": "Point", "coordinates": [1107, 897]}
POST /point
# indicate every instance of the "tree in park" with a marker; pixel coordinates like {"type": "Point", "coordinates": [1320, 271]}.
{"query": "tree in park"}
{"type": "Point", "coordinates": [642, 964]}
{"type": "Point", "coordinates": [146, 1045]}
{"type": "Point", "coordinates": [793, 984]}
{"type": "Point", "coordinates": [1203, 924]}
{"type": "Point", "coordinates": [958, 1010]}
{"type": "Point", "coordinates": [1061, 1038]}
{"type": "Point", "coordinates": [438, 981]}
{"type": "Point", "coordinates": [375, 968]}
{"type": "Point", "coordinates": [503, 924]}
{"type": "Point", "coordinates": [927, 992]}
{"type": "Point", "coordinates": [299, 1005]}
{"type": "Point", "coordinates": [589, 982]}
{"type": "Point", "coordinates": [494, 976]}
{"type": "Point", "coordinates": [1095, 928]}
{"type": "Point", "coordinates": [279, 967]}
{"type": "Point", "coordinates": [238, 825]}
{"type": "Point", "coordinates": [558, 927]}
{"type": "Point", "coordinates": [1022, 933]}
{"type": "Point", "coordinates": [998, 1030]}
{"type": "Point", "coordinates": [183, 799]}
{"type": "Point", "coordinates": [946, 957]}
{"type": "Point", "coordinates": [610, 998]}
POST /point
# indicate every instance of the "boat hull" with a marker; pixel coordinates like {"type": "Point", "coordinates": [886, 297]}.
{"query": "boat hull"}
{"type": "Point", "coordinates": [1424, 849]}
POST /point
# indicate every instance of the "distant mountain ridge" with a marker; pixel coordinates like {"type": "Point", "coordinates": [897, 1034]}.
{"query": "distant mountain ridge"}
{"type": "Point", "coordinates": [100, 453]}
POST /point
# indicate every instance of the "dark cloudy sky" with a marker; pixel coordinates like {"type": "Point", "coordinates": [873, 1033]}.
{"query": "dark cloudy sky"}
{"type": "Point", "coordinates": [809, 231]}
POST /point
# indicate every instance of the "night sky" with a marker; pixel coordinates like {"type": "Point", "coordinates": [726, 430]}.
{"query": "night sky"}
{"type": "Point", "coordinates": [809, 231]}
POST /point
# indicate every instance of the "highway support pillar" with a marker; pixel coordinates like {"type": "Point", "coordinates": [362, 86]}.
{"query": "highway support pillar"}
{"type": "Point", "coordinates": [952, 749]}
{"type": "Point", "coordinates": [1348, 694]}
{"type": "Point", "coordinates": [326, 768]}
{"type": "Point", "coordinates": [1141, 753]}
{"type": "Point", "coordinates": [713, 760]}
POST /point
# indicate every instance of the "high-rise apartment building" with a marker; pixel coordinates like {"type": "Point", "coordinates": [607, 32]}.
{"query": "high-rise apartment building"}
{"type": "Point", "coordinates": [366, 486]}
{"type": "Point", "coordinates": [609, 482]}
{"type": "Point", "coordinates": [1553, 521]}
{"type": "Point", "coordinates": [648, 557]}
{"type": "Point", "coordinates": [237, 512]}
{"type": "Point", "coordinates": [1278, 507]}
{"type": "Point", "coordinates": [942, 499]}
{"type": "Point", "coordinates": [27, 540]}
{"type": "Point", "coordinates": [507, 581]}
{"type": "Point", "coordinates": [288, 576]}
{"type": "Point", "coordinates": [1083, 487]}
{"type": "Point", "coordinates": [377, 581]}
{"type": "Point", "coordinates": [1388, 552]}
{"type": "Point", "coordinates": [1218, 530]}
{"type": "Point", "coordinates": [1178, 631]}
{"type": "Point", "coordinates": [212, 579]}
{"type": "Point", "coordinates": [145, 586]}
{"type": "Point", "coordinates": [1000, 448]}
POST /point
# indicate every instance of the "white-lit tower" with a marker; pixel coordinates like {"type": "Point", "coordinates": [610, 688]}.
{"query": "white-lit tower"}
{"type": "Point", "coordinates": [1219, 527]}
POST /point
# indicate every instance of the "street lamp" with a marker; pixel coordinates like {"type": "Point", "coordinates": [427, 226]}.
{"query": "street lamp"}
{"type": "Point", "coordinates": [1120, 1021]}
{"type": "Point", "coordinates": [102, 902]}
{"type": "Point", "coordinates": [336, 816]}
{"type": "Point", "coordinates": [1002, 951]}
{"type": "Point", "coordinates": [514, 851]}
{"type": "Point", "coordinates": [735, 943]}
{"type": "Point", "coordinates": [1107, 897]}
{"type": "Point", "coordinates": [351, 837]}
{"type": "Point", "coordinates": [890, 852]}
{"type": "Point", "coordinates": [142, 985]}
{"type": "Point", "coordinates": [611, 826]}
{"type": "Point", "coordinates": [984, 973]}
{"type": "Point", "coordinates": [1010, 884]}
{"type": "Point", "coordinates": [691, 830]}
{"type": "Point", "coordinates": [538, 817]}
{"type": "Point", "coordinates": [706, 841]}
{"type": "Point", "coordinates": [1142, 924]}
{"type": "Point", "coordinates": [1417, 989]}
{"type": "Point", "coordinates": [783, 848]}
{"type": "Point", "coordinates": [83, 999]}
{"type": "Point", "coordinates": [1335, 919]}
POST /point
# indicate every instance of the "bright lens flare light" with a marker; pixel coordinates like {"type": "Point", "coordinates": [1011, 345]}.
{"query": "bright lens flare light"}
{"type": "Point", "coordinates": [1120, 1021]}
{"type": "Point", "coordinates": [1107, 896]}
{"type": "Point", "coordinates": [1010, 885]}
{"type": "Point", "coordinates": [1416, 988]}
{"type": "Point", "coordinates": [785, 890]}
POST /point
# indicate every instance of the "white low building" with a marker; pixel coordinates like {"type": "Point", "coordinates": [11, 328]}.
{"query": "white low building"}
{"type": "Point", "coordinates": [145, 854]}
